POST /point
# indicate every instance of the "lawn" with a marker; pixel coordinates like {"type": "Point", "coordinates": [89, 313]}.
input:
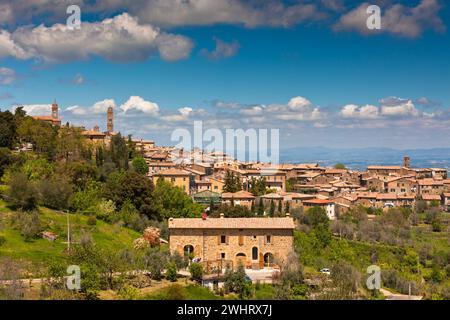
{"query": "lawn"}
{"type": "Point", "coordinates": [41, 251]}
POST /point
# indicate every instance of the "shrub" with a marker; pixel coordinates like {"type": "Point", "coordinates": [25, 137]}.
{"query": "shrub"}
{"type": "Point", "coordinates": [196, 270]}
{"type": "Point", "coordinates": [28, 223]}
{"type": "Point", "coordinates": [171, 272]}
{"type": "Point", "coordinates": [91, 221]}
{"type": "Point", "coordinates": [2, 240]}
{"type": "Point", "coordinates": [175, 292]}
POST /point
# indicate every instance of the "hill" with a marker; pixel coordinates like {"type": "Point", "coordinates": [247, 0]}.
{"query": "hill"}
{"type": "Point", "coordinates": [39, 252]}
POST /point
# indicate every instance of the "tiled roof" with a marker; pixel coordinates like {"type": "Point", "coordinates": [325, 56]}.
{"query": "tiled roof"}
{"type": "Point", "coordinates": [384, 167]}
{"type": "Point", "coordinates": [318, 201]}
{"type": "Point", "coordinates": [173, 172]}
{"type": "Point", "coordinates": [238, 195]}
{"type": "Point", "coordinates": [232, 223]}
{"type": "Point", "coordinates": [431, 197]}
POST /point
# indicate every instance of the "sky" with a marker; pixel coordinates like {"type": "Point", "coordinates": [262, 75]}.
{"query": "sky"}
{"type": "Point", "coordinates": [311, 69]}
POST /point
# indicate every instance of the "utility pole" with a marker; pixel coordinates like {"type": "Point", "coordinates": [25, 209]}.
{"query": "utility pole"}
{"type": "Point", "coordinates": [68, 232]}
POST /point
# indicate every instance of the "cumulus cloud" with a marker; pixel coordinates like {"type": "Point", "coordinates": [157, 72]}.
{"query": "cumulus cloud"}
{"type": "Point", "coordinates": [183, 115]}
{"type": "Point", "coordinates": [356, 112]}
{"type": "Point", "coordinates": [396, 19]}
{"type": "Point", "coordinates": [222, 50]}
{"type": "Point", "coordinates": [7, 76]}
{"type": "Point", "coordinates": [391, 107]}
{"type": "Point", "coordinates": [121, 38]}
{"type": "Point", "coordinates": [136, 103]}
{"type": "Point", "coordinates": [36, 109]}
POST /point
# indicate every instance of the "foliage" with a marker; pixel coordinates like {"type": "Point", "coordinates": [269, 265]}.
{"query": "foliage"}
{"type": "Point", "coordinates": [232, 182]}
{"type": "Point", "coordinates": [139, 165]}
{"type": "Point", "coordinates": [171, 272]}
{"type": "Point", "coordinates": [235, 281]}
{"type": "Point", "coordinates": [28, 223]}
{"type": "Point", "coordinates": [196, 270]}
{"type": "Point", "coordinates": [155, 261]}
{"type": "Point", "coordinates": [55, 192]}
{"type": "Point", "coordinates": [172, 202]}
{"type": "Point", "coordinates": [340, 166]}
{"type": "Point", "coordinates": [22, 193]}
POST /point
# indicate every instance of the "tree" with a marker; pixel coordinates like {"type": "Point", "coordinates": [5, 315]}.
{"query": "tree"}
{"type": "Point", "coordinates": [232, 183]}
{"type": "Point", "coordinates": [55, 192]}
{"type": "Point", "coordinates": [340, 166]}
{"type": "Point", "coordinates": [280, 207]}
{"type": "Point", "coordinates": [236, 281]}
{"type": "Point", "coordinates": [172, 202]}
{"type": "Point", "coordinates": [122, 186]}
{"type": "Point", "coordinates": [316, 216]}
{"type": "Point", "coordinates": [6, 159]}
{"type": "Point", "coordinates": [22, 193]}
{"type": "Point", "coordinates": [196, 270]}
{"type": "Point", "coordinates": [261, 207]}
{"type": "Point", "coordinates": [119, 152]}
{"type": "Point", "coordinates": [286, 208]}
{"type": "Point", "coordinates": [171, 272]}
{"type": "Point", "coordinates": [7, 129]}
{"type": "Point", "coordinates": [155, 261]}
{"type": "Point", "coordinates": [139, 165]}
{"type": "Point", "coordinates": [272, 208]}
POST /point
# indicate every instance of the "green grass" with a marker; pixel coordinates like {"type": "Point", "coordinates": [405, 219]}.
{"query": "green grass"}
{"type": "Point", "coordinates": [179, 292]}
{"type": "Point", "coordinates": [41, 251]}
{"type": "Point", "coordinates": [264, 292]}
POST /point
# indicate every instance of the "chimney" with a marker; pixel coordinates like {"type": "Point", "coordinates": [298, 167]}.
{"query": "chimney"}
{"type": "Point", "coordinates": [222, 216]}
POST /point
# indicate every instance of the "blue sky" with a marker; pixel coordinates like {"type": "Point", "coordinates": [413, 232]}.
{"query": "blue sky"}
{"type": "Point", "coordinates": [310, 68]}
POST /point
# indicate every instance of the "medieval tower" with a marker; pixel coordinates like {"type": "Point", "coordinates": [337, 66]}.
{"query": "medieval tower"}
{"type": "Point", "coordinates": [110, 120]}
{"type": "Point", "coordinates": [55, 110]}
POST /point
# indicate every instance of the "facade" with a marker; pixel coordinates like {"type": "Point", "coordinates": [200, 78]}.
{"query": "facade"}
{"type": "Point", "coordinates": [327, 205]}
{"type": "Point", "coordinates": [240, 198]}
{"type": "Point", "coordinates": [256, 243]}
{"type": "Point", "coordinates": [178, 178]}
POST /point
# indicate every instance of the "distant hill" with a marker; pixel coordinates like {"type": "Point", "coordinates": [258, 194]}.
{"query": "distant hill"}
{"type": "Point", "coordinates": [362, 157]}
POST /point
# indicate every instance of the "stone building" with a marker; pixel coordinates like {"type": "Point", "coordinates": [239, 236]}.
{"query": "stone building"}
{"type": "Point", "coordinates": [256, 243]}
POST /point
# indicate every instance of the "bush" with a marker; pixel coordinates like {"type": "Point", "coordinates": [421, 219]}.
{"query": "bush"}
{"type": "Point", "coordinates": [22, 193]}
{"type": "Point", "coordinates": [28, 223]}
{"type": "Point", "coordinates": [55, 193]}
{"type": "Point", "coordinates": [91, 221]}
{"type": "Point", "coordinates": [155, 261]}
{"type": "Point", "coordinates": [171, 272]}
{"type": "Point", "coordinates": [196, 270]}
{"type": "Point", "coordinates": [2, 240]}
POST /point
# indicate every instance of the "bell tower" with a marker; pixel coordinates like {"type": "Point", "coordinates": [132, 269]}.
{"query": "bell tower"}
{"type": "Point", "coordinates": [110, 120]}
{"type": "Point", "coordinates": [55, 110]}
{"type": "Point", "coordinates": [406, 162]}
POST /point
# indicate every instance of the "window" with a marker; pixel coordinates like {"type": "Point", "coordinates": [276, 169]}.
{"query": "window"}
{"type": "Point", "coordinates": [184, 179]}
{"type": "Point", "coordinates": [254, 237]}
{"type": "Point", "coordinates": [241, 240]}
{"type": "Point", "coordinates": [222, 255]}
{"type": "Point", "coordinates": [223, 239]}
{"type": "Point", "coordinates": [255, 253]}
{"type": "Point", "coordinates": [268, 239]}
{"type": "Point", "coordinates": [216, 187]}
{"type": "Point", "coordinates": [172, 179]}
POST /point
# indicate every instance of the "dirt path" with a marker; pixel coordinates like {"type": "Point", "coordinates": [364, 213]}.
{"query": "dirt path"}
{"type": "Point", "coordinates": [398, 296]}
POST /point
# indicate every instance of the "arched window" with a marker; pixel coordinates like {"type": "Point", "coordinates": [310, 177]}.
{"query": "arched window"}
{"type": "Point", "coordinates": [268, 259]}
{"type": "Point", "coordinates": [188, 251]}
{"type": "Point", "coordinates": [254, 253]}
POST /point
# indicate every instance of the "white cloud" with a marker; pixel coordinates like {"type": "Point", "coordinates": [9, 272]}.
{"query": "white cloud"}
{"type": "Point", "coordinates": [404, 109]}
{"type": "Point", "coordinates": [7, 76]}
{"type": "Point", "coordinates": [396, 19]}
{"type": "Point", "coordinates": [78, 79]}
{"type": "Point", "coordinates": [298, 103]}
{"type": "Point", "coordinates": [183, 115]}
{"type": "Point", "coordinates": [102, 106]}
{"type": "Point", "coordinates": [121, 38]}
{"type": "Point", "coordinates": [36, 109]}
{"type": "Point", "coordinates": [356, 112]}
{"type": "Point", "coordinates": [136, 103]}
{"type": "Point", "coordinates": [222, 50]}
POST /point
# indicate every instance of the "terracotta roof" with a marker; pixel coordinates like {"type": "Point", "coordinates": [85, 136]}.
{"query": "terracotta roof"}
{"type": "Point", "coordinates": [238, 195]}
{"type": "Point", "coordinates": [447, 195]}
{"type": "Point", "coordinates": [335, 171]}
{"type": "Point", "coordinates": [318, 201]}
{"type": "Point", "coordinates": [93, 133]}
{"type": "Point", "coordinates": [232, 223]}
{"type": "Point", "coordinates": [384, 168]}
{"type": "Point", "coordinates": [431, 197]}
{"type": "Point", "coordinates": [430, 182]}
{"type": "Point", "coordinates": [386, 196]}
{"type": "Point", "coordinates": [161, 164]}
{"type": "Point", "coordinates": [173, 172]}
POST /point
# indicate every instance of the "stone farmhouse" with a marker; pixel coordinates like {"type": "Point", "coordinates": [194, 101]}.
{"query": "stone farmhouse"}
{"type": "Point", "coordinates": [217, 243]}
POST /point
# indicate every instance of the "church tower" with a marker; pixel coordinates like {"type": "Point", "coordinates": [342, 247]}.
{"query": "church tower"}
{"type": "Point", "coordinates": [110, 120]}
{"type": "Point", "coordinates": [55, 110]}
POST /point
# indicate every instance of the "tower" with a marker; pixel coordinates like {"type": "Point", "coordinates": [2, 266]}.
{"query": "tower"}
{"type": "Point", "coordinates": [406, 163]}
{"type": "Point", "coordinates": [110, 120]}
{"type": "Point", "coordinates": [55, 110]}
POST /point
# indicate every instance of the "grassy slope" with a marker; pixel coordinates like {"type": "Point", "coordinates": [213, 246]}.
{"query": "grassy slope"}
{"type": "Point", "coordinates": [43, 251]}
